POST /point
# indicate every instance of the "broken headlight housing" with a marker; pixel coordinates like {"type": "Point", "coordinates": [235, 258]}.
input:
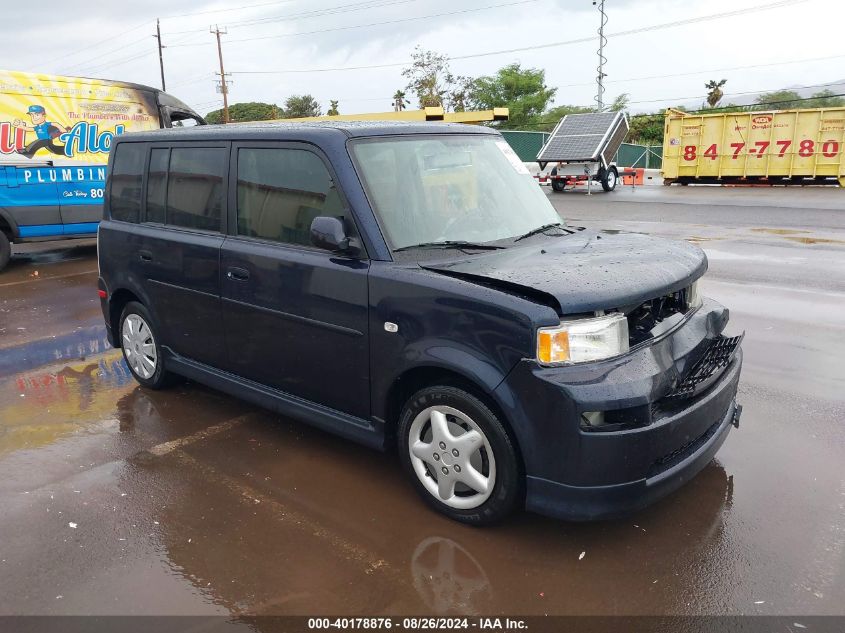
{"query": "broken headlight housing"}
{"type": "Point", "coordinates": [694, 299]}
{"type": "Point", "coordinates": [583, 340]}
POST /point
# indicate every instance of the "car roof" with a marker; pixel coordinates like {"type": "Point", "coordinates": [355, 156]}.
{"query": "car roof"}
{"type": "Point", "coordinates": [305, 130]}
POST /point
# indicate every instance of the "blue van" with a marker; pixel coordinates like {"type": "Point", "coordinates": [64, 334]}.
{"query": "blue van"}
{"type": "Point", "coordinates": [55, 136]}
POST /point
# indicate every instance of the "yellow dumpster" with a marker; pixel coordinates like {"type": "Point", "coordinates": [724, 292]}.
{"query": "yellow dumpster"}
{"type": "Point", "coordinates": [770, 147]}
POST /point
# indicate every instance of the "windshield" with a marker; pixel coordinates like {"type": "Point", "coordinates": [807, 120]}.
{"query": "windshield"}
{"type": "Point", "coordinates": [443, 188]}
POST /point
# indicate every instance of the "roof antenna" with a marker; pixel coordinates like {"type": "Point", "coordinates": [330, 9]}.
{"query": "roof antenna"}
{"type": "Point", "coordinates": [602, 59]}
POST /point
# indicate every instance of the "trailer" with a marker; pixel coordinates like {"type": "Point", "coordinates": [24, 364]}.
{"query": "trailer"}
{"type": "Point", "coordinates": [581, 149]}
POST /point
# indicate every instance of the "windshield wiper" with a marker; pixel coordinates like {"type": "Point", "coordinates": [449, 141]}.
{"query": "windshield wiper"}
{"type": "Point", "coordinates": [449, 244]}
{"type": "Point", "coordinates": [539, 229]}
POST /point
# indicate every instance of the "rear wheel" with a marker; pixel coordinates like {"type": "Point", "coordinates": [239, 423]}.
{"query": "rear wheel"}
{"type": "Point", "coordinates": [459, 455]}
{"type": "Point", "coordinates": [558, 186]}
{"type": "Point", "coordinates": [140, 346]}
{"type": "Point", "coordinates": [609, 179]}
{"type": "Point", "coordinates": [5, 250]}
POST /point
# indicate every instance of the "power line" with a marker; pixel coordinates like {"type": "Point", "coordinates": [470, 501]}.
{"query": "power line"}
{"type": "Point", "coordinates": [245, 6]}
{"type": "Point", "coordinates": [360, 26]}
{"type": "Point", "coordinates": [734, 94]}
{"type": "Point", "coordinates": [654, 27]}
{"type": "Point", "coordinates": [712, 70]}
{"type": "Point", "coordinates": [94, 45]}
{"type": "Point", "coordinates": [590, 83]}
{"type": "Point", "coordinates": [342, 8]}
{"type": "Point", "coordinates": [760, 107]}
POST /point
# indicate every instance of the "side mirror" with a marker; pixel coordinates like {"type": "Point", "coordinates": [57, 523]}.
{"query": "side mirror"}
{"type": "Point", "coordinates": [327, 232]}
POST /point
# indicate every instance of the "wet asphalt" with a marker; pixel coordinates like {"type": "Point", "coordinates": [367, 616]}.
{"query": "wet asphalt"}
{"type": "Point", "coordinates": [117, 500]}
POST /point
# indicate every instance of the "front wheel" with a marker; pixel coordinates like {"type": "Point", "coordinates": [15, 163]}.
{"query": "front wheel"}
{"type": "Point", "coordinates": [459, 455]}
{"type": "Point", "coordinates": [609, 179]}
{"type": "Point", "coordinates": [5, 250]}
{"type": "Point", "coordinates": [141, 349]}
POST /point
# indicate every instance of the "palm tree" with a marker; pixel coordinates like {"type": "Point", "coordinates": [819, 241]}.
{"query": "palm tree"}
{"type": "Point", "coordinates": [714, 91]}
{"type": "Point", "coordinates": [333, 111]}
{"type": "Point", "coordinates": [399, 102]}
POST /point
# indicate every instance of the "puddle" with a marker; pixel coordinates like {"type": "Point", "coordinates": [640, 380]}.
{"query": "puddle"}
{"type": "Point", "coordinates": [814, 240]}
{"type": "Point", "coordinates": [41, 406]}
{"type": "Point", "coordinates": [779, 231]}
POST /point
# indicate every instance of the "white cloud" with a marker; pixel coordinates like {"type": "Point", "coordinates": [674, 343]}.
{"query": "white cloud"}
{"type": "Point", "coordinates": [55, 40]}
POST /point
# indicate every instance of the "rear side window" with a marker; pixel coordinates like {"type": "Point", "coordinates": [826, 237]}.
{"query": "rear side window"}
{"type": "Point", "coordinates": [125, 194]}
{"type": "Point", "coordinates": [157, 185]}
{"type": "Point", "coordinates": [195, 187]}
{"type": "Point", "coordinates": [280, 192]}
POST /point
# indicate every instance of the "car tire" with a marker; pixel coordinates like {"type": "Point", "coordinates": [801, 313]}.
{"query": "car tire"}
{"type": "Point", "coordinates": [5, 250]}
{"type": "Point", "coordinates": [609, 179]}
{"type": "Point", "coordinates": [141, 347]}
{"type": "Point", "coordinates": [475, 477]}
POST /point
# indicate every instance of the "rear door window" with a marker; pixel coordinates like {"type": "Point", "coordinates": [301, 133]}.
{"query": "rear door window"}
{"type": "Point", "coordinates": [125, 193]}
{"type": "Point", "coordinates": [195, 187]}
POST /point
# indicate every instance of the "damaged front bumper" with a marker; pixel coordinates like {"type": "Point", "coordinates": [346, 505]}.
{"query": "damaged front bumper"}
{"type": "Point", "coordinates": [664, 434]}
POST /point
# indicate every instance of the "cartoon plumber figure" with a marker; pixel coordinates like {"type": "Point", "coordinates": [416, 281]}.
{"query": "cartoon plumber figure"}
{"type": "Point", "coordinates": [45, 131]}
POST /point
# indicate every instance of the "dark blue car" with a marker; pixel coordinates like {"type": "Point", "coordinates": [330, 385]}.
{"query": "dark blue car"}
{"type": "Point", "coordinates": [410, 286]}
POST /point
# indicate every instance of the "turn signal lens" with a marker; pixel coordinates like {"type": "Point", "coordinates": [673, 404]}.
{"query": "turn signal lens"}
{"type": "Point", "coordinates": [583, 340]}
{"type": "Point", "coordinates": [552, 346]}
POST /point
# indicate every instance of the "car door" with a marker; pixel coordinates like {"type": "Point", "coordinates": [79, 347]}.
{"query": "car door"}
{"type": "Point", "coordinates": [177, 247]}
{"type": "Point", "coordinates": [295, 316]}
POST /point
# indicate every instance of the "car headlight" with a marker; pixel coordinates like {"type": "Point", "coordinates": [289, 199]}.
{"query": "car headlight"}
{"type": "Point", "coordinates": [583, 340]}
{"type": "Point", "coordinates": [694, 295]}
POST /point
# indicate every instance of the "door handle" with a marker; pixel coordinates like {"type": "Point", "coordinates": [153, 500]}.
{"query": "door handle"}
{"type": "Point", "coordinates": [237, 274]}
{"type": "Point", "coordinates": [146, 256]}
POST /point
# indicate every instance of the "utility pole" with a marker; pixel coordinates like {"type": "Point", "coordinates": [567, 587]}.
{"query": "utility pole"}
{"type": "Point", "coordinates": [223, 88]}
{"type": "Point", "coordinates": [602, 59]}
{"type": "Point", "coordinates": [160, 56]}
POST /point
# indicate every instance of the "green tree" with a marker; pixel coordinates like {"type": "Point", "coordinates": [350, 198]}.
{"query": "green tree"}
{"type": "Point", "coordinates": [779, 100]}
{"type": "Point", "coordinates": [546, 121]}
{"type": "Point", "coordinates": [620, 103]}
{"type": "Point", "coordinates": [825, 99]}
{"type": "Point", "coordinates": [646, 129]}
{"type": "Point", "coordinates": [399, 101]}
{"type": "Point", "coordinates": [333, 111]}
{"type": "Point", "coordinates": [431, 80]}
{"type": "Point", "coordinates": [522, 90]}
{"type": "Point", "coordinates": [459, 95]}
{"type": "Point", "coordinates": [300, 106]}
{"type": "Point", "coordinates": [249, 111]}
{"type": "Point", "coordinates": [714, 91]}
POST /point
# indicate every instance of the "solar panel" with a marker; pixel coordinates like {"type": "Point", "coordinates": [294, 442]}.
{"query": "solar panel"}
{"type": "Point", "coordinates": [585, 137]}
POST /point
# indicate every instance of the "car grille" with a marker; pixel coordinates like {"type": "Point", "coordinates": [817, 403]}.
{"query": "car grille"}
{"type": "Point", "coordinates": [708, 368]}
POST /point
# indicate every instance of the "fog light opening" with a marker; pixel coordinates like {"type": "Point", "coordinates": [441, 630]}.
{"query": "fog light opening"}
{"type": "Point", "coordinates": [592, 419]}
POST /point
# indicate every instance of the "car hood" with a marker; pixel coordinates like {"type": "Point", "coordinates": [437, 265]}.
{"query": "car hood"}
{"type": "Point", "coordinates": [586, 271]}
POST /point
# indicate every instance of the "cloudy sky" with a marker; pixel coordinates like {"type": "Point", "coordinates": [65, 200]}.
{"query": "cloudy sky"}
{"type": "Point", "coordinates": [661, 52]}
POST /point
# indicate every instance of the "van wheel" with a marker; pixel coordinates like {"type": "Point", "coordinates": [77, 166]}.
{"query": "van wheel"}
{"type": "Point", "coordinates": [140, 346]}
{"type": "Point", "coordinates": [609, 179]}
{"type": "Point", "coordinates": [459, 456]}
{"type": "Point", "coordinates": [5, 250]}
